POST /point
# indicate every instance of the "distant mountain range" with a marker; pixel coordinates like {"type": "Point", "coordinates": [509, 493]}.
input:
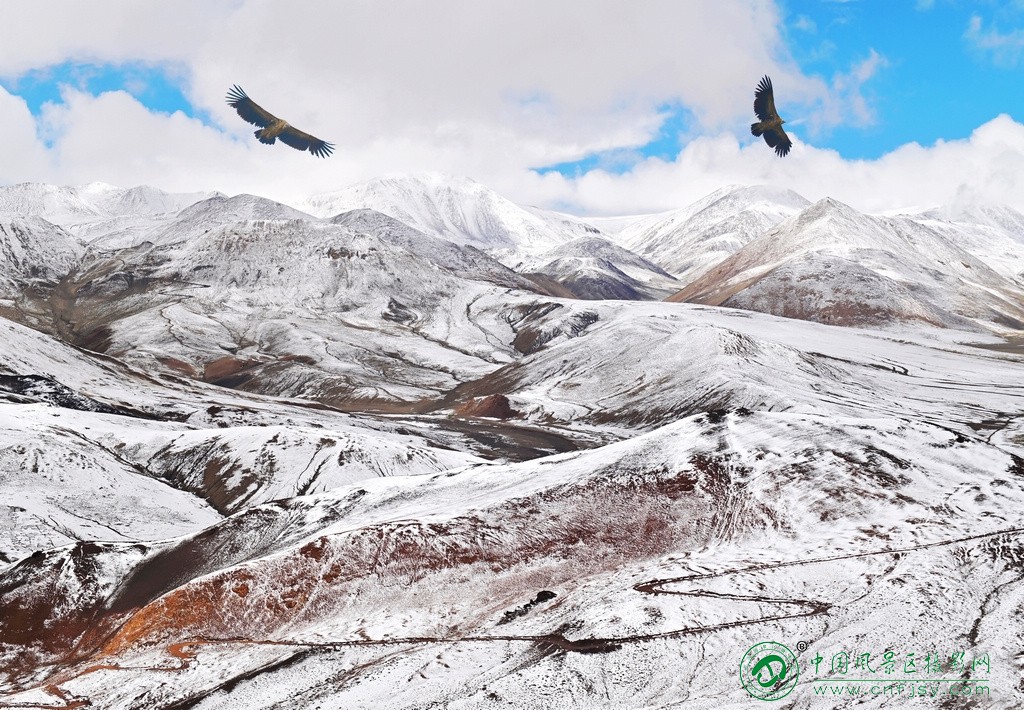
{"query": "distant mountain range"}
{"type": "Point", "coordinates": [832, 264]}
{"type": "Point", "coordinates": [689, 241]}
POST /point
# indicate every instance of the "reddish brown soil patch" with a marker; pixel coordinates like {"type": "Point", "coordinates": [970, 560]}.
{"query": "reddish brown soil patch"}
{"type": "Point", "coordinates": [98, 339]}
{"type": "Point", "coordinates": [495, 406]}
{"type": "Point", "coordinates": [224, 367]}
{"type": "Point", "coordinates": [304, 359]}
{"type": "Point", "coordinates": [177, 365]}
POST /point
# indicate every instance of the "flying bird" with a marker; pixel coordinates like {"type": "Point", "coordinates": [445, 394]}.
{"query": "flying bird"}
{"type": "Point", "coordinates": [272, 127]}
{"type": "Point", "coordinates": [770, 125]}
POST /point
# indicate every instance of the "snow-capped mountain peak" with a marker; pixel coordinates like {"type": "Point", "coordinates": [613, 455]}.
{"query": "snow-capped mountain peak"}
{"type": "Point", "coordinates": [689, 241]}
{"type": "Point", "coordinates": [457, 209]}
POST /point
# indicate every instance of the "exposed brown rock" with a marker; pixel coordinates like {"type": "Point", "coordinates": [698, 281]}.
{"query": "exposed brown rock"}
{"type": "Point", "coordinates": [495, 406]}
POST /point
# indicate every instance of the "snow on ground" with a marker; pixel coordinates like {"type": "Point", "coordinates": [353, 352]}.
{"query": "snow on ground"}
{"type": "Point", "coordinates": [706, 532]}
{"type": "Point", "coordinates": [186, 517]}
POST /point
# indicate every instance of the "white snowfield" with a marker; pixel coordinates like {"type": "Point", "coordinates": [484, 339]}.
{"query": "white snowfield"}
{"type": "Point", "coordinates": [348, 454]}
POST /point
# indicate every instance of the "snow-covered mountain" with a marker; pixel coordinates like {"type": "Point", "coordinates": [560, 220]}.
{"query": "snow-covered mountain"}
{"type": "Point", "coordinates": [192, 221]}
{"type": "Point", "coordinates": [117, 216]}
{"type": "Point", "coordinates": [34, 250]}
{"type": "Point", "coordinates": [294, 307]}
{"type": "Point", "coordinates": [266, 459]}
{"type": "Point", "coordinates": [456, 209]}
{"type": "Point", "coordinates": [137, 201]}
{"type": "Point", "coordinates": [465, 261]}
{"type": "Point", "coordinates": [34, 256]}
{"type": "Point", "coordinates": [68, 205]}
{"type": "Point", "coordinates": [93, 449]}
{"type": "Point", "coordinates": [993, 233]}
{"type": "Point", "coordinates": [689, 241]}
{"type": "Point", "coordinates": [833, 264]}
{"type": "Point", "coordinates": [617, 562]}
{"type": "Point", "coordinates": [642, 365]}
{"type": "Point", "coordinates": [593, 267]}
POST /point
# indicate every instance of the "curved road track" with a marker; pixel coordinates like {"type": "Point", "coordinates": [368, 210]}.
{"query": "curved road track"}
{"type": "Point", "coordinates": [185, 651]}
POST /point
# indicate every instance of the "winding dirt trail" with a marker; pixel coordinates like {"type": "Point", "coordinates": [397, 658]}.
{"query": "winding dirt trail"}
{"type": "Point", "coordinates": [185, 651]}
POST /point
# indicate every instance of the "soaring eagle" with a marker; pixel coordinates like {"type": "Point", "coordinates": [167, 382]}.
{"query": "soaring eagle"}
{"type": "Point", "coordinates": [770, 125]}
{"type": "Point", "coordinates": [272, 127]}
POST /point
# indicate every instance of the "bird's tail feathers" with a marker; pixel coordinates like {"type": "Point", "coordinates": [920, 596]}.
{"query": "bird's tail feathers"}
{"type": "Point", "coordinates": [263, 139]}
{"type": "Point", "coordinates": [757, 128]}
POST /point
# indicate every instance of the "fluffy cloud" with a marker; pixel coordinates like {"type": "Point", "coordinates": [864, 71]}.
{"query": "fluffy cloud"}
{"type": "Point", "coordinates": [23, 157]}
{"type": "Point", "coordinates": [566, 82]}
{"type": "Point", "coordinates": [987, 166]}
{"type": "Point", "coordinates": [484, 89]}
{"type": "Point", "coordinates": [42, 33]}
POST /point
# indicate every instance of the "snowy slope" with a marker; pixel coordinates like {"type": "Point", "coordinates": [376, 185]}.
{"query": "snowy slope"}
{"type": "Point", "coordinates": [689, 241]}
{"type": "Point", "coordinates": [90, 449]}
{"type": "Point", "coordinates": [34, 256]}
{"type": "Point", "coordinates": [295, 308]}
{"type": "Point", "coordinates": [574, 226]}
{"type": "Point", "coordinates": [643, 365]}
{"type": "Point", "coordinates": [992, 233]}
{"type": "Point", "coordinates": [121, 216]}
{"type": "Point", "coordinates": [139, 200]}
{"type": "Point", "coordinates": [57, 204]}
{"type": "Point", "coordinates": [60, 485]}
{"type": "Point", "coordinates": [465, 261]}
{"type": "Point", "coordinates": [613, 226]}
{"type": "Point", "coordinates": [195, 219]}
{"type": "Point", "coordinates": [32, 249]}
{"type": "Point", "coordinates": [833, 264]}
{"type": "Point", "coordinates": [452, 208]}
{"type": "Point", "coordinates": [649, 550]}
{"type": "Point", "coordinates": [346, 461]}
{"type": "Point", "coordinates": [593, 267]}
{"type": "Point", "coordinates": [68, 205]}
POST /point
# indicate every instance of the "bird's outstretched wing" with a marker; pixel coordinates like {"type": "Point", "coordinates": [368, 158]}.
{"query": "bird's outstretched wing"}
{"type": "Point", "coordinates": [303, 141]}
{"type": "Point", "coordinates": [777, 139]}
{"type": "Point", "coordinates": [249, 110]}
{"type": "Point", "coordinates": [764, 101]}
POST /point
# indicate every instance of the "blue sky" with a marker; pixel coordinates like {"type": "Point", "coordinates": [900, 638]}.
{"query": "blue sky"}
{"type": "Point", "coordinates": [158, 87]}
{"type": "Point", "coordinates": [596, 107]}
{"type": "Point", "coordinates": [937, 78]}
{"type": "Point", "coordinates": [936, 82]}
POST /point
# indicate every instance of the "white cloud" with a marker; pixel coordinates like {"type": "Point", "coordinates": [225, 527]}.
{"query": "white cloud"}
{"type": "Point", "coordinates": [1005, 48]}
{"type": "Point", "coordinates": [23, 157]}
{"type": "Point", "coordinates": [484, 89]}
{"type": "Point", "coordinates": [41, 33]}
{"type": "Point", "coordinates": [543, 82]}
{"type": "Point", "coordinates": [988, 165]}
{"type": "Point", "coordinates": [847, 103]}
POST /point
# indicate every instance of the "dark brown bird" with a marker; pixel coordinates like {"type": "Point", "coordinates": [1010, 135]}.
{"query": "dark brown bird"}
{"type": "Point", "coordinates": [272, 127]}
{"type": "Point", "coordinates": [770, 125]}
